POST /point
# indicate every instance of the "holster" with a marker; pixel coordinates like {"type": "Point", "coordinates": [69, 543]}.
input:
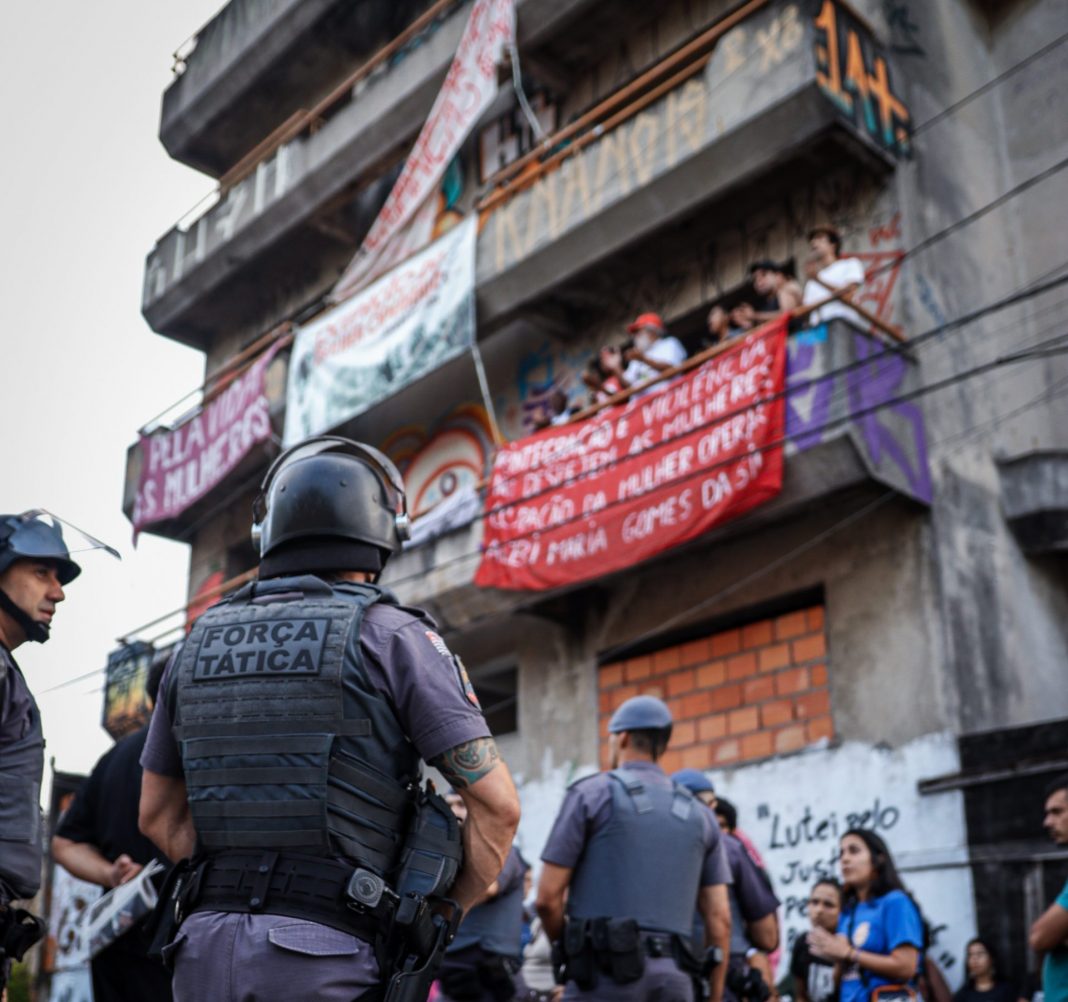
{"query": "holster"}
{"type": "Point", "coordinates": [580, 961]}
{"type": "Point", "coordinates": [617, 944]}
{"type": "Point", "coordinates": [460, 981]}
{"type": "Point", "coordinates": [690, 962]}
{"type": "Point", "coordinates": [19, 930]}
{"type": "Point", "coordinates": [497, 977]}
{"type": "Point", "coordinates": [176, 897]}
{"type": "Point", "coordinates": [687, 957]}
{"type": "Point", "coordinates": [474, 972]}
{"type": "Point", "coordinates": [415, 948]}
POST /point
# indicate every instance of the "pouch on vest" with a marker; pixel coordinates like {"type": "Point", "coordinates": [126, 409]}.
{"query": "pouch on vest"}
{"type": "Point", "coordinates": [432, 853]}
{"type": "Point", "coordinates": [580, 964]}
{"type": "Point", "coordinates": [618, 944]}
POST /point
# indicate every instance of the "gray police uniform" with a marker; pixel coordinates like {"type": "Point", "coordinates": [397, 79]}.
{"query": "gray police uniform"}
{"type": "Point", "coordinates": [640, 847]}
{"type": "Point", "coordinates": [751, 899]}
{"type": "Point", "coordinates": [488, 944]}
{"type": "Point", "coordinates": [21, 766]}
{"type": "Point", "coordinates": [298, 713]}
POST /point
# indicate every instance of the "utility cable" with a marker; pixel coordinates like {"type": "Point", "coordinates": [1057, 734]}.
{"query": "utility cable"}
{"type": "Point", "coordinates": [941, 384]}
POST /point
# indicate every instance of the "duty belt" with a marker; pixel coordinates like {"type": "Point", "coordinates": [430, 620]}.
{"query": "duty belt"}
{"type": "Point", "coordinates": [292, 884]}
{"type": "Point", "coordinates": [658, 944]}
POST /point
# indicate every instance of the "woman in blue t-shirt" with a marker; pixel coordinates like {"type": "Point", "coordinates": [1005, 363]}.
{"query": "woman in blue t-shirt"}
{"type": "Point", "coordinates": [880, 933]}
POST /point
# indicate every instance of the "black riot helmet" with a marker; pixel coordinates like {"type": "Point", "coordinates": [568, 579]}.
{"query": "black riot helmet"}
{"type": "Point", "coordinates": [38, 535]}
{"type": "Point", "coordinates": [329, 504]}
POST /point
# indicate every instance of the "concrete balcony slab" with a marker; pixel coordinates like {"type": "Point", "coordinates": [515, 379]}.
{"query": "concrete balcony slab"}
{"type": "Point", "coordinates": [761, 102]}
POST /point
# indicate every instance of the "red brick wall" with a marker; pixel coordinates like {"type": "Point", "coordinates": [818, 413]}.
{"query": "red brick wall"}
{"type": "Point", "coordinates": [738, 695]}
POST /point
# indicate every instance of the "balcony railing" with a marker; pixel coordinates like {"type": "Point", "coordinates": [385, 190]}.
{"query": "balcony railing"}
{"type": "Point", "coordinates": [751, 93]}
{"type": "Point", "coordinates": [849, 424]}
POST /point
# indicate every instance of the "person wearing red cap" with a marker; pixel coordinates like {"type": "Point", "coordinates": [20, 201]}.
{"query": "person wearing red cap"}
{"type": "Point", "coordinates": [653, 352]}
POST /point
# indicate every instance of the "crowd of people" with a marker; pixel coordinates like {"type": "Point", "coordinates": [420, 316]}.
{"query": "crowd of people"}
{"type": "Point", "coordinates": [868, 939]}
{"type": "Point", "coordinates": [771, 289]}
{"type": "Point", "coordinates": [280, 781]}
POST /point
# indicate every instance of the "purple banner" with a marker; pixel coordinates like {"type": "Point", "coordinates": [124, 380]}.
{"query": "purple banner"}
{"type": "Point", "coordinates": [179, 466]}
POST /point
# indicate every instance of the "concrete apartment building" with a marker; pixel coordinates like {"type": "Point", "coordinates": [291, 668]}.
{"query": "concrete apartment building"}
{"type": "Point", "coordinates": [884, 642]}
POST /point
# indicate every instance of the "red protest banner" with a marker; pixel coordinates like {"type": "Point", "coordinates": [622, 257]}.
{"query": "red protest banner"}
{"type": "Point", "coordinates": [582, 500]}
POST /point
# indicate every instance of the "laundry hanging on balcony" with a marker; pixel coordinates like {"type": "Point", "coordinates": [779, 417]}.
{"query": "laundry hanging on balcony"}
{"type": "Point", "coordinates": [406, 222]}
{"type": "Point", "coordinates": [582, 500]}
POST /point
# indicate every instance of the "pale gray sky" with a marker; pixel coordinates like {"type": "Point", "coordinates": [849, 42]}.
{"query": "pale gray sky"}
{"type": "Point", "coordinates": [86, 190]}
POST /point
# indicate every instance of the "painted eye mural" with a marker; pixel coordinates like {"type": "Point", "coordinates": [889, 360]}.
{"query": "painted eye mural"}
{"type": "Point", "coordinates": [438, 461]}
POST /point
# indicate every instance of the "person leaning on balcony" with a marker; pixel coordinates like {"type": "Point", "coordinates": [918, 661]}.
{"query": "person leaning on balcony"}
{"type": "Point", "coordinates": [777, 290]}
{"type": "Point", "coordinates": [653, 351]}
{"type": "Point", "coordinates": [720, 327]}
{"type": "Point", "coordinates": [628, 855]}
{"type": "Point", "coordinates": [828, 272]}
{"type": "Point", "coordinates": [283, 758]}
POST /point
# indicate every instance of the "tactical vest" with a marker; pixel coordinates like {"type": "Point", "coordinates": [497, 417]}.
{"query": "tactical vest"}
{"type": "Point", "coordinates": [285, 743]}
{"type": "Point", "coordinates": [497, 925]}
{"type": "Point", "coordinates": [646, 862]}
{"type": "Point", "coordinates": [21, 765]}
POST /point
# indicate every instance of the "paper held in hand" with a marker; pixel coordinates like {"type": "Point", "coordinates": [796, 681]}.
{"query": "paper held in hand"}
{"type": "Point", "coordinates": [119, 910]}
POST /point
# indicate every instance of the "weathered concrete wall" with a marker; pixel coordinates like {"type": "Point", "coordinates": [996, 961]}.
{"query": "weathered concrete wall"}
{"type": "Point", "coordinates": [1001, 613]}
{"type": "Point", "coordinates": [944, 603]}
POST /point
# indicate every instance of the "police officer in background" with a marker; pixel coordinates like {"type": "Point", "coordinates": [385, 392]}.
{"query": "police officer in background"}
{"type": "Point", "coordinates": [35, 567]}
{"type": "Point", "coordinates": [285, 753]}
{"type": "Point", "coordinates": [481, 962]}
{"type": "Point", "coordinates": [630, 852]}
{"type": "Point", "coordinates": [754, 908]}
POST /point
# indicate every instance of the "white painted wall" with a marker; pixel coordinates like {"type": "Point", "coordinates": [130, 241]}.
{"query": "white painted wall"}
{"type": "Point", "coordinates": [795, 807]}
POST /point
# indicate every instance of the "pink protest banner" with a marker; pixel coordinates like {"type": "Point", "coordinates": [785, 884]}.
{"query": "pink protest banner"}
{"type": "Point", "coordinates": [180, 465]}
{"type": "Point", "coordinates": [582, 500]}
{"type": "Point", "coordinates": [405, 223]}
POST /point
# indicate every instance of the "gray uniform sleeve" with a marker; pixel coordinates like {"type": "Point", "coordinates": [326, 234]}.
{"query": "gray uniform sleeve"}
{"type": "Point", "coordinates": [428, 685]}
{"type": "Point", "coordinates": [716, 868]}
{"type": "Point", "coordinates": [161, 753]}
{"type": "Point", "coordinates": [751, 888]}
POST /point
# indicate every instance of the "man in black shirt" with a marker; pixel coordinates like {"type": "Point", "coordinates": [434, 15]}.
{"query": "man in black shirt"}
{"type": "Point", "coordinates": [98, 840]}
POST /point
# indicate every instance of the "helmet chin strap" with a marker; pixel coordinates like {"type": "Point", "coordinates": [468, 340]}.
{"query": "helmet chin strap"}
{"type": "Point", "coordinates": [37, 632]}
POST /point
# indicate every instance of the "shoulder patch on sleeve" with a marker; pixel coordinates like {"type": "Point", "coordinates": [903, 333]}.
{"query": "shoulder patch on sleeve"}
{"type": "Point", "coordinates": [462, 678]}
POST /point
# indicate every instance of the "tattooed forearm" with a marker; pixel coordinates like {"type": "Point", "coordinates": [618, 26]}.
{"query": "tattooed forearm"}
{"type": "Point", "coordinates": [466, 764]}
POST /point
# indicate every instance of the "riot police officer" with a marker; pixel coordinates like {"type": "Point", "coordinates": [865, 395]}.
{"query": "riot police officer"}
{"type": "Point", "coordinates": [481, 962]}
{"type": "Point", "coordinates": [285, 752]}
{"type": "Point", "coordinates": [35, 566]}
{"type": "Point", "coordinates": [630, 852]}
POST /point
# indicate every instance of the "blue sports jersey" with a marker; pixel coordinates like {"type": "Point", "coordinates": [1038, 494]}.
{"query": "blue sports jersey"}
{"type": "Point", "coordinates": [878, 926]}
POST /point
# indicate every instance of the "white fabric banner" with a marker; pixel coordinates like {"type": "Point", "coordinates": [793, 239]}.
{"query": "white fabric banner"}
{"type": "Point", "coordinates": [406, 221]}
{"type": "Point", "coordinates": [410, 322]}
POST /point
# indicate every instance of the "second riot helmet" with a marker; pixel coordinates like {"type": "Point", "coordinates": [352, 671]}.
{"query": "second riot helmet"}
{"type": "Point", "coordinates": [329, 503]}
